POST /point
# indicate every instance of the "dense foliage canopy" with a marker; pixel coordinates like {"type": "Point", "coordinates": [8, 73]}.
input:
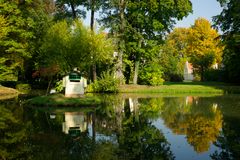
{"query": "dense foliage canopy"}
{"type": "Point", "coordinates": [47, 36]}
{"type": "Point", "coordinates": [229, 22]}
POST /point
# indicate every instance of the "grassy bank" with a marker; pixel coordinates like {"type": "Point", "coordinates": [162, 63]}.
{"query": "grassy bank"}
{"type": "Point", "coordinates": [181, 88]}
{"type": "Point", "coordinates": [6, 91]}
{"type": "Point", "coordinates": [62, 101]}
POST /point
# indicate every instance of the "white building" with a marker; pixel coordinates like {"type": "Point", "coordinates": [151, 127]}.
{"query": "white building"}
{"type": "Point", "coordinates": [188, 72]}
{"type": "Point", "coordinates": [74, 84]}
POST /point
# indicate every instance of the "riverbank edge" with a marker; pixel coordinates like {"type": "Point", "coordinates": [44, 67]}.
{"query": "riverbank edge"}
{"type": "Point", "coordinates": [182, 88]}
{"type": "Point", "coordinates": [59, 100]}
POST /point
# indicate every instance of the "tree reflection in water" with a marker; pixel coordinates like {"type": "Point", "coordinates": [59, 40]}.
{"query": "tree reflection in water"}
{"type": "Point", "coordinates": [136, 137]}
{"type": "Point", "coordinates": [13, 132]}
{"type": "Point", "coordinates": [122, 128]}
{"type": "Point", "coordinates": [229, 139]}
{"type": "Point", "coordinates": [200, 120]}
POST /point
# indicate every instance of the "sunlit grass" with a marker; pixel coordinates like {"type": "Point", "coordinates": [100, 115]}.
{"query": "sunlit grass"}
{"type": "Point", "coordinates": [6, 93]}
{"type": "Point", "coordinates": [181, 88]}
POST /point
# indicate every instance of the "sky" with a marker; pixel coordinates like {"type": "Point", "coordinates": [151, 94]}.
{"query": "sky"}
{"type": "Point", "coordinates": [201, 8]}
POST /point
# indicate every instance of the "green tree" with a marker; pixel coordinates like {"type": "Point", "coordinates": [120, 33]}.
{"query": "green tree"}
{"type": "Point", "coordinates": [73, 45]}
{"type": "Point", "coordinates": [41, 14]}
{"type": "Point", "coordinates": [93, 6]}
{"type": "Point", "coordinates": [150, 20]}
{"type": "Point", "coordinates": [174, 54]}
{"type": "Point", "coordinates": [69, 9]}
{"type": "Point", "coordinates": [113, 17]}
{"type": "Point", "coordinates": [139, 23]}
{"type": "Point", "coordinates": [58, 47]}
{"type": "Point", "coordinates": [4, 29]}
{"type": "Point", "coordinates": [178, 40]}
{"type": "Point", "coordinates": [14, 48]}
{"type": "Point", "coordinates": [25, 21]}
{"type": "Point", "coordinates": [204, 47]}
{"type": "Point", "coordinates": [228, 21]}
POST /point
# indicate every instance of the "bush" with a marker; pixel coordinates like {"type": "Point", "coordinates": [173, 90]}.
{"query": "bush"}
{"type": "Point", "coordinates": [23, 87]}
{"type": "Point", "coordinates": [151, 75]}
{"type": "Point", "coordinates": [176, 77]}
{"type": "Point", "coordinates": [43, 84]}
{"type": "Point", "coordinates": [172, 66]}
{"type": "Point", "coordinates": [59, 86]}
{"type": "Point", "coordinates": [214, 75]}
{"type": "Point", "coordinates": [106, 83]}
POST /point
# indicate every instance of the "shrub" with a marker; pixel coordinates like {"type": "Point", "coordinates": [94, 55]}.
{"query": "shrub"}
{"type": "Point", "coordinates": [43, 84]}
{"type": "Point", "coordinates": [176, 77]}
{"type": "Point", "coordinates": [151, 74]}
{"type": "Point", "coordinates": [23, 87]}
{"type": "Point", "coordinates": [59, 86]}
{"type": "Point", "coordinates": [106, 83]}
{"type": "Point", "coordinates": [214, 75]}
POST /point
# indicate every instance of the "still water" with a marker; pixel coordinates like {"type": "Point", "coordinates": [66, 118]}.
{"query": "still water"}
{"type": "Point", "coordinates": [125, 127]}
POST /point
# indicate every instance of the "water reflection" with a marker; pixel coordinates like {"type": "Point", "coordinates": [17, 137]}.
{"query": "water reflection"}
{"type": "Point", "coordinates": [13, 131]}
{"type": "Point", "coordinates": [125, 127]}
{"type": "Point", "coordinates": [229, 139]}
{"type": "Point", "coordinates": [199, 120]}
{"type": "Point", "coordinates": [75, 122]}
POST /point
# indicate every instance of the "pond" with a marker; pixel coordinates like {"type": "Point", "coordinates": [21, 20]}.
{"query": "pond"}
{"type": "Point", "coordinates": [125, 127]}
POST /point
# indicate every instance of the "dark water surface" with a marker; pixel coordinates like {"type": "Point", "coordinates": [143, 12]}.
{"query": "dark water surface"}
{"type": "Point", "coordinates": [126, 127]}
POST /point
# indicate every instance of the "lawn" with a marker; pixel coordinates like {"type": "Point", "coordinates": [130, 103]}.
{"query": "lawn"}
{"type": "Point", "coordinates": [184, 87]}
{"type": "Point", "coordinates": [5, 90]}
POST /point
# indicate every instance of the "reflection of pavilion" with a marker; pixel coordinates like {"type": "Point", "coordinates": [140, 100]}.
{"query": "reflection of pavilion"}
{"type": "Point", "coordinates": [75, 122]}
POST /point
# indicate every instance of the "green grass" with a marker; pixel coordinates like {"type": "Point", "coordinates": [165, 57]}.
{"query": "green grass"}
{"type": "Point", "coordinates": [7, 93]}
{"type": "Point", "coordinates": [59, 100]}
{"type": "Point", "coordinates": [6, 90]}
{"type": "Point", "coordinates": [183, 88]}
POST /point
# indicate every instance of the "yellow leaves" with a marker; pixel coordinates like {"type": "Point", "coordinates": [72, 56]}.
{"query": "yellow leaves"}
{"type": "Point", "coordinates": [203, 131]}
{"type": "Point", "coordinates": [177, 41]}
{"type": "Point", "coordinates": [203, 39]}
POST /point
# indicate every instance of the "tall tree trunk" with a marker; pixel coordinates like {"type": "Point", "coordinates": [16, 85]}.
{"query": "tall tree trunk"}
{"type": "Point", "coordinates": [49, 85]}
{"type": "Point", "coordinates": [74, 14]}
{"type": "Point", "coordinates": [94, 72]}
{"type": "Point", "coordinates": [92, 14]}
{"type": "Point", "coordinates": [94, 67]}
{"type": "Point", "coordinates": [202, 73]}
{"type": "Point", "coordinates": [119, 72]}
{"type": "Point", "coordinates": [136, 64]}
{"type": "Point", "coordinates": [136, 68]}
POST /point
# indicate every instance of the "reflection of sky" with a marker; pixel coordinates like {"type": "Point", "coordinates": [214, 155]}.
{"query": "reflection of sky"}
{"type": "Point", "coordinates": [179, 145]}
{"type": "Point", "coordinates": [101, 137]}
